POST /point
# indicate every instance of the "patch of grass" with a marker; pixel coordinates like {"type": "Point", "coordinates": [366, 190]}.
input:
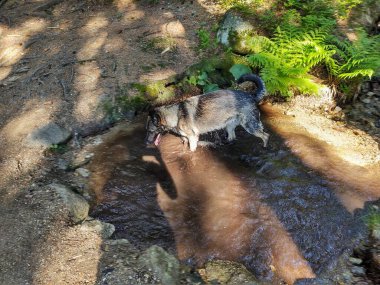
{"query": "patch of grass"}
{"type": "Point", "coordinates": [205, 39]}
{"type": "Point", "coordinates": [58, 148]}
{"type": "Point", "coordinates": [159, 44]}
{"type": "Point", "coordinates": [373, 218]}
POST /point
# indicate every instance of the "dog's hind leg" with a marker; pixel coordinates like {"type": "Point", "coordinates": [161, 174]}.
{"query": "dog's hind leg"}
{"type": "Point", "coordinates": [230, 128]}
{"type": "Point", "coordinates": [255, 128]}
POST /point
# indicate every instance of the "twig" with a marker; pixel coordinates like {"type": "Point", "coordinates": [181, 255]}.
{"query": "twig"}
{"type": "Point", "coordinates": [72, 74]}
{"type": "Point", "coordinates": [48, 5]}
{"type": "Point", "coordinates": [30, 77]}
{"type": "Point", "coordinates": [64, 87]}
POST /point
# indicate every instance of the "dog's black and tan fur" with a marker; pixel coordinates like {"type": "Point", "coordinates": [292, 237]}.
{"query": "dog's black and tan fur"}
{"type": "Point", "coordinates": [221, 109]}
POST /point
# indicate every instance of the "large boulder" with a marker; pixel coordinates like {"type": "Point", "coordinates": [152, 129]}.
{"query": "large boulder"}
{"type": "Point", "coordinates": [233, 32]}
{"type": "Point", "coordinates": [366, 15]}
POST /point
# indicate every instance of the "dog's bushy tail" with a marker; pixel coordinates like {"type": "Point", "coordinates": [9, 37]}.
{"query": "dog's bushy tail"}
{"type": "Point", "coordinates": [260, 92]}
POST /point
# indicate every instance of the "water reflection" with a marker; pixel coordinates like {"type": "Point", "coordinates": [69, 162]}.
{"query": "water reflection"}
{"type": "Point", "coordinates": [207, 204]}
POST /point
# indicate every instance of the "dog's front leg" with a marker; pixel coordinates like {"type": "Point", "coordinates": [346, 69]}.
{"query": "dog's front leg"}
{"type": "Point", "coordinates": [185, 140]}
{"type": "Point", "coordinates": [193, 142]}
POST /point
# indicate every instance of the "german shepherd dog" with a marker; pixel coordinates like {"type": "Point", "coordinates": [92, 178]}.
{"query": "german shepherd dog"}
{"type": "Point", "coordinates": [221, 109]}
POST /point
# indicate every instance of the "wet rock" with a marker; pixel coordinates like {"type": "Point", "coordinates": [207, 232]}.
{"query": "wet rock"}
{"type": "Point", "coordinates": [104, 229]}
{"type": "Point", "coordinates": [80, 160]}
{"type": "Point", "coordinates": [76, 204]}
{"type": "Point", "coordinates": [229, 273]}
{"type": "Point", "coordinates": [358, 271]}
{"type": "Point", "coordinates": [83, 172]}
{"type": "Point", "coordinates": [347, 277]}
{"type": "Point", "coordinates": [45, 136]}
{"type": "Point", "coordinates": [365, 100]}
{"type": "Point", "coordinates": [314, 281]}
{"type": "Point", "coordinates": [62, 164]}
{"type": "Point", "coordinates": [163, 264]}
{"type": "Point", "coordinates": [233, 30]}
{"type": "Point", "coordinates": [356, 261]}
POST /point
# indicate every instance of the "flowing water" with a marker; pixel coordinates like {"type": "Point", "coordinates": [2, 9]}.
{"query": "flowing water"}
{"type": "Point", "coordinates": [286, 211]}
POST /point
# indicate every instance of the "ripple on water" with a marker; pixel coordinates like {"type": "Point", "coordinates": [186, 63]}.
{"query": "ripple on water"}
{"type": "Point", "coordinates": [209, 205]}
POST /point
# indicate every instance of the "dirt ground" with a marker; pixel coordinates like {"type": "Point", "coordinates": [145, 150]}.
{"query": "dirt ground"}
{"type": "Point", "coordinates": [57, 64]}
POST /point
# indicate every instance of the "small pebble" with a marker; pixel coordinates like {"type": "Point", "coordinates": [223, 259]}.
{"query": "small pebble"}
{"type": "Point", "coordinates": [358, 271]}
{"type": "Point", "coordinates": [355, 260]}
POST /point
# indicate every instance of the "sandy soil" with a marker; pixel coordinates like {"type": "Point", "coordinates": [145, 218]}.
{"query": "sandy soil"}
{"type": "Point", "coordinates": [57, 65]}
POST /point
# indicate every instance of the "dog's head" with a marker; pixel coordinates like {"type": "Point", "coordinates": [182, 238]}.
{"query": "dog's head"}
{"type": "Point", "coordinates": [154, 128]}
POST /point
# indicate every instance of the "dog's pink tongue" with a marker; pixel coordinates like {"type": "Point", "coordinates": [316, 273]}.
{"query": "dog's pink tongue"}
{"type": "Point", "coordinates": [157, 140]}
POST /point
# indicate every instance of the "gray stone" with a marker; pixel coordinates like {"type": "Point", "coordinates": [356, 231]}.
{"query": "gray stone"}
{"type": "Point", "coordinates": [164, 265]}
{"type": "Point", "coordinates": [62, 164]}
{"type": "Point", "coordinates": [76, 204]}
{"type": "Point", "coordinates": [229, 273]}
{"type": "Point", "coordinates": [365, 15]}
{"type": "Point", "coordinates": [233, 30]}
{"type": "Point", "coordinates": [83, 172]}
{"type": "Point", "coordinates": [356, 261]}
{"type": "Point", "coordinates": [358, 271]}
{"type": "Point", "coordinates": [365, 100]}
{"type": "Point", "coordinates": [104, 229]}
{"type": "Point", "coordinates": [45, 136]}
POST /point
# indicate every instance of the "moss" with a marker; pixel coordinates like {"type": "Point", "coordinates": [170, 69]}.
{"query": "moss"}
{"type": "Point", "coordinates": [159, 91]}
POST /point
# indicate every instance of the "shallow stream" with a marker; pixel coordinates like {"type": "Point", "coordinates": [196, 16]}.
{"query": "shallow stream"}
{"type": "Point", "coordinates": [286, 212]}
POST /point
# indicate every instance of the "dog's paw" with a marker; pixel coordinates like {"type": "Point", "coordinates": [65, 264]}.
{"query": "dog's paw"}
{"type": "Point", "coordinates": [206, 144]}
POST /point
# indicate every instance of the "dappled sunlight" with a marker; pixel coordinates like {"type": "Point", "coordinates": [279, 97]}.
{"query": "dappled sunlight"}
{"type": "Point", "coordinates": [158, 75]}
{"type": "Point", "coordinates": [114, 44]}
{"type": "Point", "coordinates": [174, 29]}
{"type": "Point", "coordinates": [93, 25]}
{"type": "Point", "coordinates": [122, 5]}
{"type": "Point", "coordinates": [345, 143]}
{"type": "Point", "coordinates": [203, 230]}
{"type": "Point", "coordinates": [354, 179]}
{"type": "Point", "coordinates": [95, 37]}
{"type": "Point", "coordinates": [19, 162]}
{"type": "Point", "coordinates": [74, 254]}
{"type": "Point", "coordinates": [86, 82]}
{"type": "Point", "coordinates": [20, 126]}
{"type": "Point", "coordinates": [13, 41]}
{"type": "Point", "coordinates": [92, 47]}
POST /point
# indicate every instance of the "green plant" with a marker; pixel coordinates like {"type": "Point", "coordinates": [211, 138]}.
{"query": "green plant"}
{"type": "Point", "coordinates": [372, 219]}
{"type": "Point", "coordinates": [237, 70]}
{"type": "Point", "coordinates": [360, 58]}
{"type": "Point", "coordinates": [286, 60]}
{"type": "Point", "coordinates": [117, 107]}
{"type": "Point", "coordinates": [206, 41]}
{"type": "Point", "coordinates": [355, 61]}
{"type": "Point", "coordinates": [58, 148]}
{"type": "Point", "coordinates": [201, 79]}
{"type": "Point", "coordinates": [161, 44]}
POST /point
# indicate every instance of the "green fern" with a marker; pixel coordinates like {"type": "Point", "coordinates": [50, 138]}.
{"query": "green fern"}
{"type": "Point", "coordinates": [286, 60]}
{"type": "Point", "coordinates": [360, 58]}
